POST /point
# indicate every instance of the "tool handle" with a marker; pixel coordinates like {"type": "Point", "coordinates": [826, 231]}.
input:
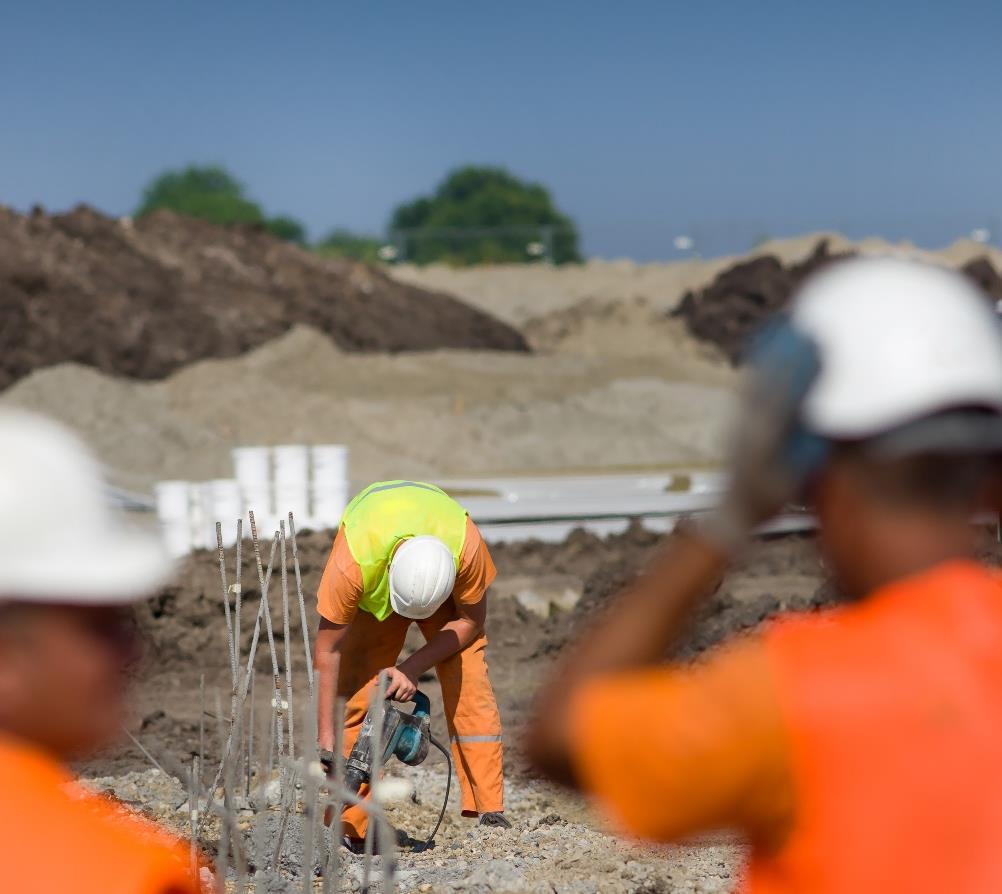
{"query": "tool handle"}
{"type": "Point", "coordinates": [422, 704]}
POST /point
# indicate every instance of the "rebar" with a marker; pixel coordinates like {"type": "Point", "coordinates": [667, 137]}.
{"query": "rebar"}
{"type": "Point", "coordinates": [311, 792]}
{"type": "Point", "coordinates": [238, 588]}
{"type": "Point", "coordinates": [223, 859]}
{"type": "Point", "coordinates": [231, 632]}
{"type": "Point", "coordinates": [226, 602]}
{"type": "Point", "coordinates": [302, 603]}
{"type": "Point", "coordinates": [288, 803]}
{"type": "Point", "coordinates": [201, 727]}
{"type": "Point", "coordinates": [250, 736]}
{"type": "Point", "coordinates": [332, 871]}
{"type": "Point", "coordinates": [250, 661]}
{"type": "Point", "coordinates": [286, 638]}
{"type": "Point", "coordinates": [148, 756]}
{"type": "Point", "coordinates": [266, 609]}
{"type": "Point", "coordinates": [377, 709]}
{"type": "Point", "coordinates": [193, 815]}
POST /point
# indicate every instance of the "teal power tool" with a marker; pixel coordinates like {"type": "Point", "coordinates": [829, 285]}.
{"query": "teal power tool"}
{"type": "Point", "coordinates": [406, 737]}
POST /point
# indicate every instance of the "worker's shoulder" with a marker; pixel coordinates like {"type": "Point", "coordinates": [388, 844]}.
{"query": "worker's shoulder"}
{"type": "Point", "coordinates": [109, 847]}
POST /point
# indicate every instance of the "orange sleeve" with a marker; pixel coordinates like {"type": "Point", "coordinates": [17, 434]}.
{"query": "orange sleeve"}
{"type": "Point", "coordinates": [341, 585]}
{"type": "Point", "coordinates": [669, 752]}
{"type": "Point", "coordinates": [476, 568]}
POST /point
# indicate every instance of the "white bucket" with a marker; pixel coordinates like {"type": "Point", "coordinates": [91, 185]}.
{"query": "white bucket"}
{"type": "Point", "coordinates": [173, 499]}
{"type": "Point", "coordinates": [176, 538]}
{"type": "Point", "coordinates": [328, 506]}
{"type": "Point", "coordinates": [174, 513]}
{"type": "Point", "coordinates": [251, 464]}
{"type": "Point", "coordinates": [252, 469]}
{"type": "Point", "coordinates": [330, 464]}
{"type": "Point", "coordinates": [203, 518]}
{"type": "Point", "coordinates": [226, 507]}
{"type": "Point", "coordinates": [292, 488]}
{"type": "Point", "coordinates": [329, 487]}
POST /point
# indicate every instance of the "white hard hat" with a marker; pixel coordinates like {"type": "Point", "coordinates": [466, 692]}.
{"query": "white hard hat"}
{"type": "Point", "coordinates": [898, 341]}
{"type": "Point", "coordinates": [58, 539]}
{"type": "Point", "coordinates": [422, 575]}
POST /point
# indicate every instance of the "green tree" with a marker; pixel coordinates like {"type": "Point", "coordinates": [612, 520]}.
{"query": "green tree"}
{"type": "Point", "coordinates": [210, 193]}
{"type": "Point", "coordinates": [342, 243]}
{"type": "Point", "coordinates": [485, 215]}
{"type": "Point", "coordinates": [287, 228]}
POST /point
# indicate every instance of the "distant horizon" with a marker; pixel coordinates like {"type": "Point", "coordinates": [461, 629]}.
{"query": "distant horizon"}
{"type": "Point", "coordinates": [814, 236]}
{"type": "Point", "coordinates": [646, 121]}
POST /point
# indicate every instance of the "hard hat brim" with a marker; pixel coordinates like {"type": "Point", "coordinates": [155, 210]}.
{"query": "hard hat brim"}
{"type": "Point", "coordinates": [952, 432]}
{"type": "Point", "coordinates": [115, 566]}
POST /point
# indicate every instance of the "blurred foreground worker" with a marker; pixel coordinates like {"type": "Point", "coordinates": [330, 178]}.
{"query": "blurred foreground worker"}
{"type": "Point", "coordinates": [406, 551]}
{"type": "Point", "coordinates": [858, 749]}
{"type": "Point", "coordinates": [67, 638]}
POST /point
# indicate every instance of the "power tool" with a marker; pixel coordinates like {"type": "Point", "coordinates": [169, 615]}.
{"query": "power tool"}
{"type": "Point", "coordinates": [405, 736]}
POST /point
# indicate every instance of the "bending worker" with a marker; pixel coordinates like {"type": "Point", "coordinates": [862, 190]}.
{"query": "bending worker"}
{"type": "Point", "coordinates": [859, 749]}
{"type": "Point", "coordinates": [406, 551]}
{"type": "Point", "coordinates": [67, 638]}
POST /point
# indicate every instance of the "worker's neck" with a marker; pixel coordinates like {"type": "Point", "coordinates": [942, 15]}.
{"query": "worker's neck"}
{"type": "Point", "coordinates": [12, 737]}
{"type": "Point", "coordinates": [912, 550]}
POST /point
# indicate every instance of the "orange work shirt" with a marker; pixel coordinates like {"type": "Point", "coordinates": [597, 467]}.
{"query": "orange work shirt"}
{"type": "Point", "coordinates": [341, 585]}
{"type": "Point", "coordinates": [58, 837]}
{"type": "Point", "coordinates": [860, 749]}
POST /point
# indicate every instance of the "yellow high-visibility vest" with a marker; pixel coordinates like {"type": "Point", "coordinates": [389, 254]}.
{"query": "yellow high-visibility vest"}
{"type": "Point", "coordinates": [385, 513]}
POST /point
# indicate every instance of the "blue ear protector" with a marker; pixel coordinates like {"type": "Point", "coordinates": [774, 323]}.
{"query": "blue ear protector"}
{"type": "Point", "coordinates": [787, 363]}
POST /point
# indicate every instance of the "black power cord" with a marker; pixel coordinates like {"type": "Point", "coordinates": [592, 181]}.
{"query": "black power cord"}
{"type": "Point", "coordinates": [448, 785]}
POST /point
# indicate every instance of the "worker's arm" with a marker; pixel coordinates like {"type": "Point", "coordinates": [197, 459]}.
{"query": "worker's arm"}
{"type": "Point", "coordinates": [337, 602]}
{"type": "Point", "coordinates": [670, 752]}
{"type": "Point", "coordinates": [454, 636]}
{"type": "Point", "coordinates": [637, 630]}
{"type": "Point", "coordinates": [770, 462]}
{"type": "Point", "coordinates": [327, 664]}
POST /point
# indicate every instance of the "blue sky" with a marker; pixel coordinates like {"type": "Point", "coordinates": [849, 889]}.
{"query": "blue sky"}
{"type": "Point", "coordinates": [646, 119]}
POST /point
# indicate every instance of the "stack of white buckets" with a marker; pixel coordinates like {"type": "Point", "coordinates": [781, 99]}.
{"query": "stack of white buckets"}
{"type": "Point", "coordinates": [271, 481]}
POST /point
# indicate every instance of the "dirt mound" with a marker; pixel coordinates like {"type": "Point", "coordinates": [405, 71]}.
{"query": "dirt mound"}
{"type": "Point", "coordinates": [145, 298]}
{"type": "Point", "coordinates": [184, 623]}
{"type": "Point", "coordinates": [737, 302]}
{"type": "Point", "coordinates": [985, 275]}
{"type": "Point", "coordinates": [743, 296]}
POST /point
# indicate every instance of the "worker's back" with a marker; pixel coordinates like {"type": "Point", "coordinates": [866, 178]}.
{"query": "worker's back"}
{"type": "Point", "coordinates": [894, 708]}
{"type": "Point", "coordinates": [386, 513]}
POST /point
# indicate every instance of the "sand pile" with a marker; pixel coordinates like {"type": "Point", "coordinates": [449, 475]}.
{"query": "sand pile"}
{"type": "Point", "coordinates": [143, 299]}
{"type": "Point", "coordinates": [519, 293]}
{"type": "Point", "coordinates": [618, 307]}
{"type": "Point", "coordinates": [413, 414]}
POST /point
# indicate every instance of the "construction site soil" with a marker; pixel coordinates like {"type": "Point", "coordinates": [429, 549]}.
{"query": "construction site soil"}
{"type": "Point", "coordinates": [743, 296]}
{"type": "Point", "coordinates": [187, 644]}
{"type": "Point", "coordinates": [144, 298]}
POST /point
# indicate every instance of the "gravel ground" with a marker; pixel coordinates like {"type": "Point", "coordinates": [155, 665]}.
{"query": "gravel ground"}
{"type": "Point", "coordinates": [545, 851]}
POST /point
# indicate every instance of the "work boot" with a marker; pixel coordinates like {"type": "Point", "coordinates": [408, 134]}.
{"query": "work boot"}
{"type": "Point", "coordinates": [494, 819]}
{"type": "Point", "coordinates": [357, 845]}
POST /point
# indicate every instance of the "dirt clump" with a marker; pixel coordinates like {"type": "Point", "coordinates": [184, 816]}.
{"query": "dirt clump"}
{"type": "Point", "coordinates": [143, 298]}
{"type": "Point", "coordinates": [727, 311]}
{"type": "Point", "coordinates": [742, 297]}
{"type": "Point", "coordinates": [983, 272]}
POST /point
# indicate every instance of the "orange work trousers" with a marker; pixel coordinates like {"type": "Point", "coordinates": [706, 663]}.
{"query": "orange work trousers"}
{"type": "Point", "coordinates": [471, 711]}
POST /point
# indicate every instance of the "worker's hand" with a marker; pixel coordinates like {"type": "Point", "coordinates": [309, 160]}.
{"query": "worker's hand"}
{"type": "Point", "coordinates": [772, 454]}
{"type": "Point", "coordinates": [400, 685]}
